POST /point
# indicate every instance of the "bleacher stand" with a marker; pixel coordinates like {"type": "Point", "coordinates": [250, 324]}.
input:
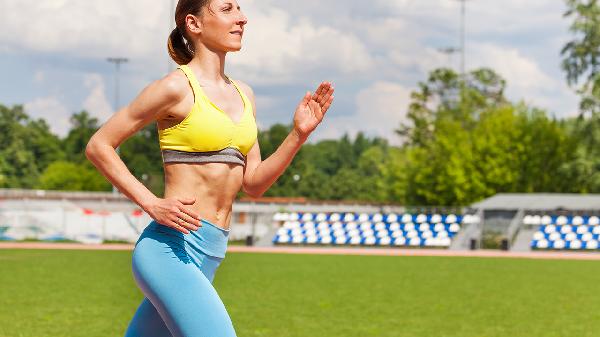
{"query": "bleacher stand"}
{"type": "Point", "coordinates": [369, 229]}
{"type": "Point", "coordinates": [564, 232]}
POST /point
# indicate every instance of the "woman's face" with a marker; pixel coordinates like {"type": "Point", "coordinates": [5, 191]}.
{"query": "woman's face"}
{"type": "Point", "coordinates": [222, 25]}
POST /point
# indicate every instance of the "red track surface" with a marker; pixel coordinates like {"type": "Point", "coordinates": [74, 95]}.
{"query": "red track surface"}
{"type": "Point", "coordinates": [331, 251]}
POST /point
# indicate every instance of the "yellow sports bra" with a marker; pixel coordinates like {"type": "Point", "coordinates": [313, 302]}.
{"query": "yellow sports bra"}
{"type": "Point", "coordinates": [207, 133]}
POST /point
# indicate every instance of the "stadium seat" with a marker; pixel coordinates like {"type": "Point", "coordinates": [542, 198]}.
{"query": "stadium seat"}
{"type": "Point", "coordinates": [370, 229]}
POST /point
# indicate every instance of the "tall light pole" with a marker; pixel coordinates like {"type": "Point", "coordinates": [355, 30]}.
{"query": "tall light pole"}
{"type": "Point", "coordinates": [117, 61]}
{"type": "Point", "coordinates": [449, 51]}
{"type": "Point", "coordinates": [462, 36]}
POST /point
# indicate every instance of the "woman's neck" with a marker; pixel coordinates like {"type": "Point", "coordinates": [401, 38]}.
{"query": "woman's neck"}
{"type": "Point", "coordinates": [210, 65]}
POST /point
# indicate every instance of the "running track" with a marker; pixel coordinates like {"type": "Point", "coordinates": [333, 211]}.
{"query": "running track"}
{"type": "Point", "coordinates": [332, 251]}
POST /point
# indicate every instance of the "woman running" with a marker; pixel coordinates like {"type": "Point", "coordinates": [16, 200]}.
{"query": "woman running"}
{"type": "Point", "coordinates": [207, 133]}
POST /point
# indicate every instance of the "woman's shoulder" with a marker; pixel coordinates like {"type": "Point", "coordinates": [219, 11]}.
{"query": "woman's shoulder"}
{"type": "Point", "coordinates": [173, 85]}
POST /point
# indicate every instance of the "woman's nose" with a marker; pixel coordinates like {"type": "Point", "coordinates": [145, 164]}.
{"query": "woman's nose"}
{"type": "Point", "coordinates": [242, 19]}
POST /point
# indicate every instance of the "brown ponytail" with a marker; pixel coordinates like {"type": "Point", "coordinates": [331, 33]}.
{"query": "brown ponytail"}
{"type": "Point", "coordinates": [180, 48]}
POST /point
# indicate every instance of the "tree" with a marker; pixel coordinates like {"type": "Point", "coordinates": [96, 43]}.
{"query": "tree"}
{"type": "Point", "coordinates": [69, 176]}
{"type": "Point", "coordinates": [581, 55]}
{"type": "Point", "coordinates": [446, 96]}
{"type": "Point", "coordinates": [83, 126]}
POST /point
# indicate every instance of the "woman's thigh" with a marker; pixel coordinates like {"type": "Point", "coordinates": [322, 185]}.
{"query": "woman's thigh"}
{"type": "Point", "coordinates": [176, 285]}
{"type": "Point", "coordinates": [147, 322]}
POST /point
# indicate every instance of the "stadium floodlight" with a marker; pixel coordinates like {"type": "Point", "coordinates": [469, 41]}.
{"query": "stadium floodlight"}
{"type": "Point", "coordinates": [117, 61]}
{"type": "Point", "coordinates": [462, 36]}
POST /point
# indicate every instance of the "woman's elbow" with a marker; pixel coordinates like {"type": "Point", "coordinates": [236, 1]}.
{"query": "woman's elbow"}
{"type": "Point", "coordinates": [91, 149]}
{"type": "Point", "coordinates": [253, 192]}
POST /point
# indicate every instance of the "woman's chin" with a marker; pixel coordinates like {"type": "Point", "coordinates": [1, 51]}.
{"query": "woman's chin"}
{"type": "Point", "coordinates": [234, 48]}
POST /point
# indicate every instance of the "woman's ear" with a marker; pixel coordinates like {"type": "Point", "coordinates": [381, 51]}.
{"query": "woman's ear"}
{"type": "Point", "coordinates": [193, 23]}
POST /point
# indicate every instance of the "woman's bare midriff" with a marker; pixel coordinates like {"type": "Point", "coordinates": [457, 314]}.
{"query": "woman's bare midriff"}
{"type": "Point", "coordinates": [213, 185]}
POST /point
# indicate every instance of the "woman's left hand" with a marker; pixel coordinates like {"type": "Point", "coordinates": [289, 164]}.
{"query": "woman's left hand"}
{"type": "Point", "coordinates": [312, 109]}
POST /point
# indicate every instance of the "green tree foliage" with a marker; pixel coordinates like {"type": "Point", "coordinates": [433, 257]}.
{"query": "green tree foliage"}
{"type": "Point", "coordinates": [28, 147]}
{"type": "Point", "coordinates": [69, 176]}
{"type": "Point", "coordinates": [478, 144]}
{"type": "Point", "coordinates": [581, 55]}
{"type": "Point", "coordinates": [141, 154]}
{"type": "Point", "coordinates": [83, 126]}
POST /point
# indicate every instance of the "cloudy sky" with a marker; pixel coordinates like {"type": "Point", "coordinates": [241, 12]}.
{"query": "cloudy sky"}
{"type": "Point", "coordinates": [53, 54]}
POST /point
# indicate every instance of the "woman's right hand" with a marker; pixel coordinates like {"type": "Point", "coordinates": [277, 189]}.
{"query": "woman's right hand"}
{"type": "Point", "coordinates": [171, 212]}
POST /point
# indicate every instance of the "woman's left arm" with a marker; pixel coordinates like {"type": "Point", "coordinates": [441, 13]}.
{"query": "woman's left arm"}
{"type": "Point", "coordinates": [260, 174]}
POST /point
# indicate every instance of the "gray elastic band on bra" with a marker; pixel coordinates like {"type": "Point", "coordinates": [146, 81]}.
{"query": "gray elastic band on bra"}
{"type": "Point", "coordinates": [227, 155]}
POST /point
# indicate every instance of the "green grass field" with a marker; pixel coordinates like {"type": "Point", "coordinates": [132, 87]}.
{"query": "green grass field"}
{"type": "Point", "coordinates": [92, 293]}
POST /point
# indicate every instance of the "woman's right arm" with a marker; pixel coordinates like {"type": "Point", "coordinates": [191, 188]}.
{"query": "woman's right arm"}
{"type": "Point", "coordinates": [154, 102]}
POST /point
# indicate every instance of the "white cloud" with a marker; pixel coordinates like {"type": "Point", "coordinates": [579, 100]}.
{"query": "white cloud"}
{"type": "Point", "coordinates": [39, 77]}
{"type": "Point", "coordinates": [96, 102]}
{"type": "Point", "coordinates": [84, 28]}
{"type": "Point", "coordinates": [380, 109]}
{"type": "Point", "coordinates": [53, 111]}
{"type": "Point", "coordinates": [279, 51]}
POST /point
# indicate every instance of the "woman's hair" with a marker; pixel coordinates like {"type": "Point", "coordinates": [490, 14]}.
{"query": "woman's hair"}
{"type": "Point", "coordinates": [180, 48]}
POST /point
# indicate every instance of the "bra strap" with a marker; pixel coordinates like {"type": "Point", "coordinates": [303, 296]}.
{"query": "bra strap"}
{"type": "Point", "coordinates": [193, 81]}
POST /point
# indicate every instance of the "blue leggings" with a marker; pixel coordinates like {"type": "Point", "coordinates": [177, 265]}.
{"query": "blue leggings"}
{"type": "Point", "coordinates": [175, 272]}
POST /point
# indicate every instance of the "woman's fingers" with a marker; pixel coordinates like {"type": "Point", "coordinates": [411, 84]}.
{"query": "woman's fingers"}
{"type": "Point", "coordinates": [192, 215]}
{"type": "Point", "coordinates": [195, 223]}
{"type": "Point", "coordinates": [326, 96]}
{"type": "Point", "coordinates": [183, 223]}
{"type": "Point", "coordinates": [178, 227]}
{"type": "Point", "coordinates": [325, 91]}
{"type": "Point", "coordinates": [327, 105]}
{"type": "Point", "coordinates": [319, 92]}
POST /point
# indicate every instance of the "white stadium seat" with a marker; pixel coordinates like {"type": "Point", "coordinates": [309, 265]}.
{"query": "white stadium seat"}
{"type": "Point", "coordinates": [400, 241]}
{"type": "Point", "coordinates": [407, 218]}
{"type": "Point", "coordinates": [326, 239]}
{"type": "Point", "coordinates": [592, 244]}
{"type": "Point", "coordinates": [454, 228]}
{"type": "Point", "coordinates": [554, 236]}
{"type": "Point", "coordinates": [321, 217]}
{"type": "Point", "coordinates": [385, 241]}
{"type": "Point", "coordinates": [335, 217]}
{"type": "Point", "coordinates": [363, 217]}
{"type": "Point", "coordinates": [566, 229]}
{"type": "Point", "coordinates": [349, 217]}
{"type": "Point", "coordinates": [392, 217]}
{"type": "Point", "coordinates": [370, 240]}
{"type": "Point", "coordinates": [559, 244]}
{"type": "Point", "coordinates": [538, 236]}
{"type": "Point", "coordinates": [415, 241]}
{"type": "Point", "coordinates": [380, 226]}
